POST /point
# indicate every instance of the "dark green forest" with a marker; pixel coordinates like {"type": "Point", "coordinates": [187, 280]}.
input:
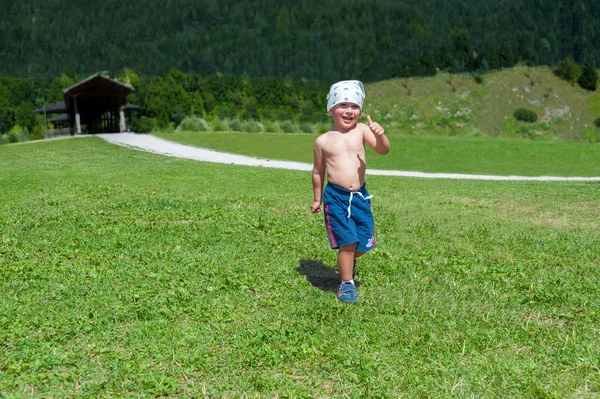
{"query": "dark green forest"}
{"type": "Point", "coordinates": [323, 40]}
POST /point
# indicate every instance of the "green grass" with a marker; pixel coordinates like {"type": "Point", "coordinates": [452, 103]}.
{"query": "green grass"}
{"type": "Point", "coordinates": [419, 153]}
{"type": "Point", "coordinates": [127, 274]}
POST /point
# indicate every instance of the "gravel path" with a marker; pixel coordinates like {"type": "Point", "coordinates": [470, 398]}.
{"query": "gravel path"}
{"type": "Point", "coordinates": [156, 145]}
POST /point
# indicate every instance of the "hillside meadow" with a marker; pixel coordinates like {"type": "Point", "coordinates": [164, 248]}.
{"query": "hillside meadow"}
{"type": "Point", "coordinates": [128, 274]}
{"type": "Point", "coordinates": [468, 105]}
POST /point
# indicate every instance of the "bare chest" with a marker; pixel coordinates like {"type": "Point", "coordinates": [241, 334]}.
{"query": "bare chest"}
{"type": "Point", "coordinates": [342, 145]}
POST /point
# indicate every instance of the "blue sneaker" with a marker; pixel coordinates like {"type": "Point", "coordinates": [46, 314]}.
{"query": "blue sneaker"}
{"type": "Point", "coordinates": [347, 293]}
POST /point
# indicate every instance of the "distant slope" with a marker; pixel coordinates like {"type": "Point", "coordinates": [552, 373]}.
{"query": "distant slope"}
{"type": "Point", "coordinates": [458, 105]}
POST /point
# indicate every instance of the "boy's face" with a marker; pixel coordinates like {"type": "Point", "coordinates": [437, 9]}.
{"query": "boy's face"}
{"type": "Point", "coordinates": [345, 115]}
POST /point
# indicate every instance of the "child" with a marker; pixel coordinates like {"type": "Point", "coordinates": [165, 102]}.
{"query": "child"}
{"type": "Point", "coordinates": [346, 202]}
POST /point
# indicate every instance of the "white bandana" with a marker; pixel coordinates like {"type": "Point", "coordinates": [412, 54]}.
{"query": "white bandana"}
{"type": "Point", "coordinates": [351, 91]}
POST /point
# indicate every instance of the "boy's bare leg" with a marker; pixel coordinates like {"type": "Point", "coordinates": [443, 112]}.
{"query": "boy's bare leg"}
{"type": "Point", "coordinates": [357, 255]}
{"type": "Point", "coordinates": [345, 260]}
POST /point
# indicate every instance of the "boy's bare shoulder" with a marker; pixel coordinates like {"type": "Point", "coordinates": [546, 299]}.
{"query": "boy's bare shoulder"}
{"type": "Point", "coordinates": [362, 126]}
{"type": "Point", "coordinates": [322, 138]}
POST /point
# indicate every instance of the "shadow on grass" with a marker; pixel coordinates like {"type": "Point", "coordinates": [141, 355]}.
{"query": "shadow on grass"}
{"type": "Point", "coordinates": [319, 275]}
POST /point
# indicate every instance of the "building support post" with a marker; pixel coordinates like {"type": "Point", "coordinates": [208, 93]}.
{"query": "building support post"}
{"type": "Point", "coordinates": [45, 120]}
{"type": "Point", "coordinates": [77, 117]}
{"type": "Point", "coordinates": [122, 126]}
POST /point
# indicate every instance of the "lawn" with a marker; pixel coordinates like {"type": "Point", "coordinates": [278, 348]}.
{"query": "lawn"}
{"type": "Point", "coordinates": [128, 274]}
{"type": "Point", "coordinates": [478, 155]}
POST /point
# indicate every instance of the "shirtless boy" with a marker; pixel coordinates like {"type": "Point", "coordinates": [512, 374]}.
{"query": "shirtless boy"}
{"type": "Point", "coordinates": [346, 202]}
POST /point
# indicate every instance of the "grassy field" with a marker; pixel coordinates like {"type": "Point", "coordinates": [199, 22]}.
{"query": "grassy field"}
{"type": "Point", "coordinates": [127, 274]}
{"type": "Point", "coordinates": [422, 153]}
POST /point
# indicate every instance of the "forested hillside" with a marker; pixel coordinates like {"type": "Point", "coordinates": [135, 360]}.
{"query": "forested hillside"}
{"type": "Point", "coordinates": [323, 40]}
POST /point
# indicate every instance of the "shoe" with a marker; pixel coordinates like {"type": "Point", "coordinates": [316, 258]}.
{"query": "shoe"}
{"type": "Point", "coordinates": [347, 293]}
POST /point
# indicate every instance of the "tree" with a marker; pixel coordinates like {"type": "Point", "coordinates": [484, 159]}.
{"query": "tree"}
{"type": "Point", "coordinates": [6, 112]}
{"type": "Point", "coordinates": [25, 115]}
{"type": "Point", "coordinates": [568, 70]}
{"type": "Point", "coordinates": [588, 78]}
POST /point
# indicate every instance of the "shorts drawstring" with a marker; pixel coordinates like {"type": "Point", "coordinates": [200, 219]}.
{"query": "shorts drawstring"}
{"type": "Point", "coordinates": [350, 201]}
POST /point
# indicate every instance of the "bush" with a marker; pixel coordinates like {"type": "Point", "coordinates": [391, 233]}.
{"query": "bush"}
{"type": "Point", "coordinates": [307, 128]}
{"type": "Point", "coordinates": [18, 134]}
{"type": "Point", "coordinates": [323, 128]}
{"type": "Point", "coordinates": [226, 112]}
{"type": "Point", "coordinates": [589, 78]}
{"type": "Point", "coordinates": [597, 122]}
{"type": "Point", "coordinates": [568, 70]}
{"type": "Point", "coordinates": [37, 133]}
{"type": "Point", "coordinates": [219, 125]}
{"type": "Point", "coordinates": [591, 134]}
{"type": "Point", "coordinates": [168, 127]}
{"type": "Point", "coordinates": [271, 127]}
{"type": "Point", "coordinates": [146, 125]}
{"type": "Point", "coordinates": [253, 127]}
{"type": "Point", "coordinates": [288, 127]}
{"type": "Point", "coordinates": [525, 115]}
{"type": "Point", "coordinates": [193, 124]}
{"type": "Point", "coordinates": [282, 115]}
{"type": "Point", "coordinates": [235, 125]}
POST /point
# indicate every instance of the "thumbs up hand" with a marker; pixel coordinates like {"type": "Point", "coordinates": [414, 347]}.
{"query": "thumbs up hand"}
{"type": "Point", "coordinates": [375, 127]}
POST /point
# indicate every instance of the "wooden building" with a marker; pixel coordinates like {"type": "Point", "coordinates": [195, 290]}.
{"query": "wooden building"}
{"type": "Point", "coordinates": [96, 104]}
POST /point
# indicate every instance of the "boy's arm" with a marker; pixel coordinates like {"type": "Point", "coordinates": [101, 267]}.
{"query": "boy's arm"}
{"type": "Point", "coordinates": [318, 175]}
{"type": "Point", "coordinates": [375, 137]}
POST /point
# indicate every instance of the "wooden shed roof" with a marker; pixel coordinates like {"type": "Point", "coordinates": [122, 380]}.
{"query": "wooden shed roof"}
{"type": "Point", "coordinates": [98, 83]}
{"type": "Point", "coordinates": [56, 108]}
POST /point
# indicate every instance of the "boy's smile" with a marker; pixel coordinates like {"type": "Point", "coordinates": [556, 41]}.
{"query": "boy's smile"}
{"type": "Point", "coordinates": [345, 115]}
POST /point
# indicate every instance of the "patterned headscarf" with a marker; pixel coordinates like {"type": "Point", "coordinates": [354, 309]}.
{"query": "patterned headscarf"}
{"type": "Point", "coordinates": [351, 91]}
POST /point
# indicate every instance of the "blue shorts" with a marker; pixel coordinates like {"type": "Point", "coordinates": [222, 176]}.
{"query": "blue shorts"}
{"type": "Point", "coordinates": [348, 217]}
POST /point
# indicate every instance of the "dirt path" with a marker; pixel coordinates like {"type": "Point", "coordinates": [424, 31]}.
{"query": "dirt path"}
{"type": "Point", "coordinates": [156, 145]}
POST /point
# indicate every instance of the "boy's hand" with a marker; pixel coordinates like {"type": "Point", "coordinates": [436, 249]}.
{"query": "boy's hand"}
{"type": "Point", "coordinates": [375, 127]}
{"type": "Point", "coordinates": [315, 207]}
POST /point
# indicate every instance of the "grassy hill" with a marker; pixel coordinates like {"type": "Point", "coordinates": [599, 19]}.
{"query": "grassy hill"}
{"type": "Point", "coordinates": [460, 105]}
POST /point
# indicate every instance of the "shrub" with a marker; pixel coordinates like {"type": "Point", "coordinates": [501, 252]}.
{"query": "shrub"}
{"type": "Point", "coordinates": [219, 125]}
{"type": "Point", "coordinates": [146, 125]}
{"type": "Point", "coordinates": [169, 127]}
{"type": "Point", "coordinates": [597, 122]}
{"type": "Point", "coordinates": [591, 134]}
{"type": "Point", "coordinates": [18, 134]}
{"type": "Point", "coordinates": [253, 127]}
{"type": "Point", "coordinates": [589, 78]}
{"type": "Point", "coordinates": [271, 127]}
{"type": "Point", "coordinates": [307, 128]}
{"type": "Point", "coordinates": [525, 115]}
{"type": "Point", "coordinates": [282, 115]}
{"type": "Point", "coordinates": [37, 132]}
{"type": "Point", "coordinates": [226, 112]}
{"type": "Point", "coordinates": [193, 124]}
{"type": "Point", "coordinates": [288, 127]}
{"type": "Point", "coordinates": [323, 128]}
{"type": "Point", "coordinates": [235, 125]}
{"type": "Point", "coordinates": [478, 79]}
{"type": "Point", "coordinates": [568, 70]}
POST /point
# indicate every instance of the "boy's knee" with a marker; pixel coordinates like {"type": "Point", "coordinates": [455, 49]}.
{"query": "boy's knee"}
{"type": "Point", "coordinates": [348, 248]}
